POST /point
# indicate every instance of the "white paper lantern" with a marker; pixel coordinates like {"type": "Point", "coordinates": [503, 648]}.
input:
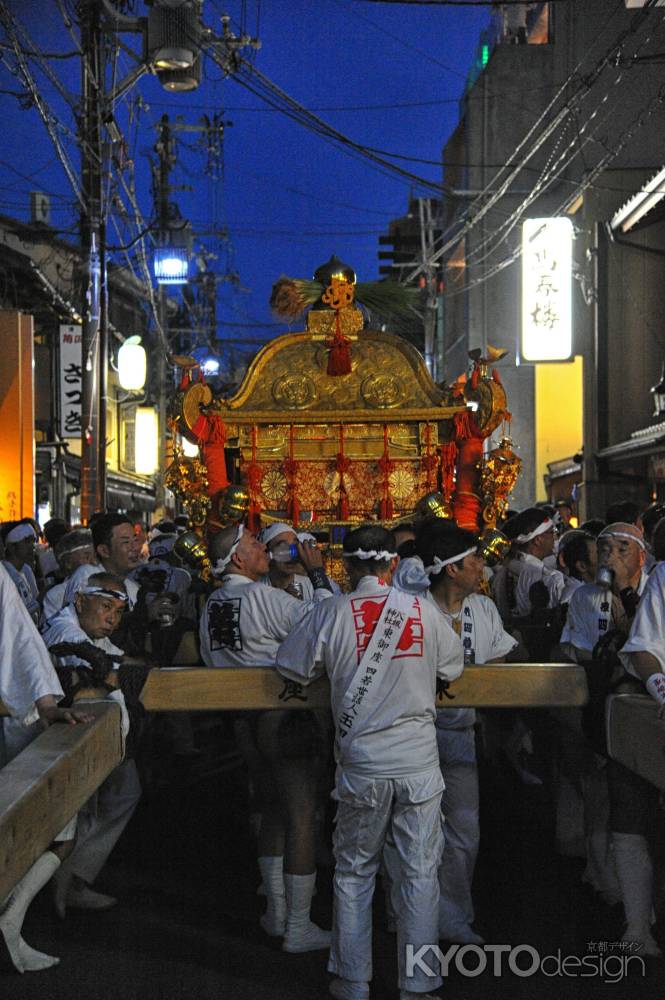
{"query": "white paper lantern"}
{"type": "Point", "coordinates": [132, 364]}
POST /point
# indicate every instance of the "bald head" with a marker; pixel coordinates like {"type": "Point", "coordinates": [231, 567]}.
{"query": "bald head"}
{"type": "Point", "coordinates": [235, 550]}
{"type": "Point", "coordinates": [220, 546]}
{"type": "Point", "coordinates": [621, 548]}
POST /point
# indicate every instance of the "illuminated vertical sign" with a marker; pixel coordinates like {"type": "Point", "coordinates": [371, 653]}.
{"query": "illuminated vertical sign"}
{"type": "Point", "coordinates": [547, 332]}
{"type": "Point", "coordinates": [71, 381]}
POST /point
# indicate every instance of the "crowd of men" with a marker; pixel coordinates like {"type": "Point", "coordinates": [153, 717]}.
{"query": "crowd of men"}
{"type": "Point", "coordinates": [78, 604]}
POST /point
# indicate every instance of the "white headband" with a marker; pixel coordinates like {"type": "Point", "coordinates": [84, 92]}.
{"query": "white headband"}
{"type": "Point", "coordinates": [19, 532]}
{"type": "Point", "coordinates": [77, 548]}
{"type": "Point", "coordinates": [438, 564]}
{"type": "Point", "coordinates": [104, 592]}
{"type": "Point", "coordinates": [540, 530]}
{"type": "Point", "coordinates": [623, 534]}
{"type": "Point", "coordinates": [381, 556]}
{"type": "Point", "coordinates": [272, 530]}
{"type": "Point", "coordinates": [221, 564]}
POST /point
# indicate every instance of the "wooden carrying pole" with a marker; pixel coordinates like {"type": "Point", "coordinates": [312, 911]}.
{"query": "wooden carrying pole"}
{"type": "Point", "coordinates": [510, 685]}
{"type": "Point", "coordinates": [48, 782]}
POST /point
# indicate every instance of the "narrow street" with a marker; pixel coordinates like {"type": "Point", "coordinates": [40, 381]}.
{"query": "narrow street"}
{"type": "Point", "coordinates": [186, 925]}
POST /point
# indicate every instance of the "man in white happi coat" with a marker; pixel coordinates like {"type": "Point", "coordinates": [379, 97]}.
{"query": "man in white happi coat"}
{"type": "Point", "coordinates": [451, 560]}
{"type": "Point", "coordinates": [116, 552]}
{"type": "Point", "coordinates": [20, 540]}
{"type": "Point", "coordinates": [284, 570]}
{"type": "Point", "coordinates": [30, 689]}
{"type": "Point", "coordinates": [594, 610]}
{"type": "Point", "coordinates": [643, 656]}
{"type": "Point", "coordinates": [593, 613]}
{"type": "Point", "coordinates": [74, 549]}
{"type": "Point", "coordinates": [242, 625]}
{"type": "Point", "coordinates": [532, 534]}
{"type": "Point", "coordinates": [383, 651]}
{"type": "Point", "coordinates": [93, 617]}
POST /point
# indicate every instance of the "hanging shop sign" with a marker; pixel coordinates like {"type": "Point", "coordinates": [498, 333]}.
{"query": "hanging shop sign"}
{"type": "Point", "coordinates": [547, 333]}
{"type": "Point", "coordinates": [71, 381]}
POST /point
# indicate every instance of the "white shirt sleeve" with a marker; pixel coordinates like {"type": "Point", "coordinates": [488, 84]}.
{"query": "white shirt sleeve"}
{"type": "Point", "coordinates": [502, 641]}
{"type": "Point", "coordinates": [581, 628]}
{"type": "Point", "coordinates": [301, 656]}
{"type": "Point", "coordinates": [26, 671]}
{"type": "Point", "coordinates": [647, 634]}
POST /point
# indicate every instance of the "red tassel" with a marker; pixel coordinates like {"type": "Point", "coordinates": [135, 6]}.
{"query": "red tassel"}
{"type": "Point", "coordinates": [339, 355]}
{"type": "Point", "coordinates": [293, 509]}
{"type": "Point", "coordinates": [386, 509]}
{"type": "Point", "coordinates": [343, 506]}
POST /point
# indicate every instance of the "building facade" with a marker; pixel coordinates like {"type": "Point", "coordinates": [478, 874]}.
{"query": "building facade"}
{"type": "Point", "coordinates": [563, 118]}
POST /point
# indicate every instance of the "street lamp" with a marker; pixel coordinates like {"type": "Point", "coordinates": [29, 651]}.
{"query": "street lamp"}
{"type": "Point", "coordinates": [173, 35]}
{"type": "Point", "coordinates": [171, 265]}
{"type": "Point", "coordinates": [131, 364]}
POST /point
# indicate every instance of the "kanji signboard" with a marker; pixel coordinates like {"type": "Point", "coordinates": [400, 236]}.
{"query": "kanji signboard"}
{"type": "Point", "coordinates": [71, 381]}
{"type": "Point", "coordinates": [546, 290]}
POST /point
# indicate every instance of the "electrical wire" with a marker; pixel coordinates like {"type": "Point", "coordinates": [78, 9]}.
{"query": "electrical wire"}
{"type": "Point", "coordinates": [554, 168]}
{"type": "Point", "coordinates": [545, 126]}
{"type": "Point", "coordinates": [8, 22]}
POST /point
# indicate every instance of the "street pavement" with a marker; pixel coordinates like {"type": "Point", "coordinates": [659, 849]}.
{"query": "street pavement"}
{"type": "Point", "coordinates": [186, 924]}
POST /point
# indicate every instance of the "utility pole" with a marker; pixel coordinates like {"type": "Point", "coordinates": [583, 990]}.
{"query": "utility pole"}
{"type": "Point", "coordinates": [94, 345]}
{"type": "Point", "coordinates": [165, 149]}
{"type": "Point", "coordinates": [429, 271]}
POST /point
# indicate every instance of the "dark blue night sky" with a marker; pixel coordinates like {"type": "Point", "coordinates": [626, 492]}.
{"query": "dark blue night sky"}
{"type": "Point", "coordinates": [388, 76]}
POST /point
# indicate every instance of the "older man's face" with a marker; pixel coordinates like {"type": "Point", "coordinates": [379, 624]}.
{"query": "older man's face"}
{"type": "Point", "coordinates": [620, 554]}
{"type": "Point", "coordinates": [253, 556]}
{"type": "Point", "coordinates": [99, 614]}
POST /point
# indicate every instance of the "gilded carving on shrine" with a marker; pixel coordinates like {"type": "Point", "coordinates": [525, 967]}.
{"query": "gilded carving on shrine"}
{"type": "Point", "coordinates": [341, 423]}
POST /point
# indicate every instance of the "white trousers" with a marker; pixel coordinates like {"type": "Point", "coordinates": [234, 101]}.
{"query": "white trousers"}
{"type": "Point", "coordinates": [102, 819]}
{"type": "Point", "coordinates": [460, 805]}
{"type": "Point", "coordinates": [402, 815]}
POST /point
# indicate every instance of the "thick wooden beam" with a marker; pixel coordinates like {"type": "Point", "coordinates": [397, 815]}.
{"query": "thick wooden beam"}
{"type": "Point", "coordinates": [42, 788]}
{"type": "Point", "coordinates": [636, 735]}
{"type": "Point", "coordinates": [509, 685]}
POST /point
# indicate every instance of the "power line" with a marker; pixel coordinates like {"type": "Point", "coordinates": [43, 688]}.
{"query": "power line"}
{"type": "Point", "coordinates": [552, 169]}
{"type": "Point", "coordinates": [545, 126]}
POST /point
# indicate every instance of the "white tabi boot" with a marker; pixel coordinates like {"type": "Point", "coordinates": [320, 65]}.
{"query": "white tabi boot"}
{"type": "Point", "coordinates": [273, 920]}
{"type": "Point", "coordinates": [301, 934]}
{"type": "Point", "coordinates": [635, 872]}
{"type": "Point", "coordinates": [25, 958]}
